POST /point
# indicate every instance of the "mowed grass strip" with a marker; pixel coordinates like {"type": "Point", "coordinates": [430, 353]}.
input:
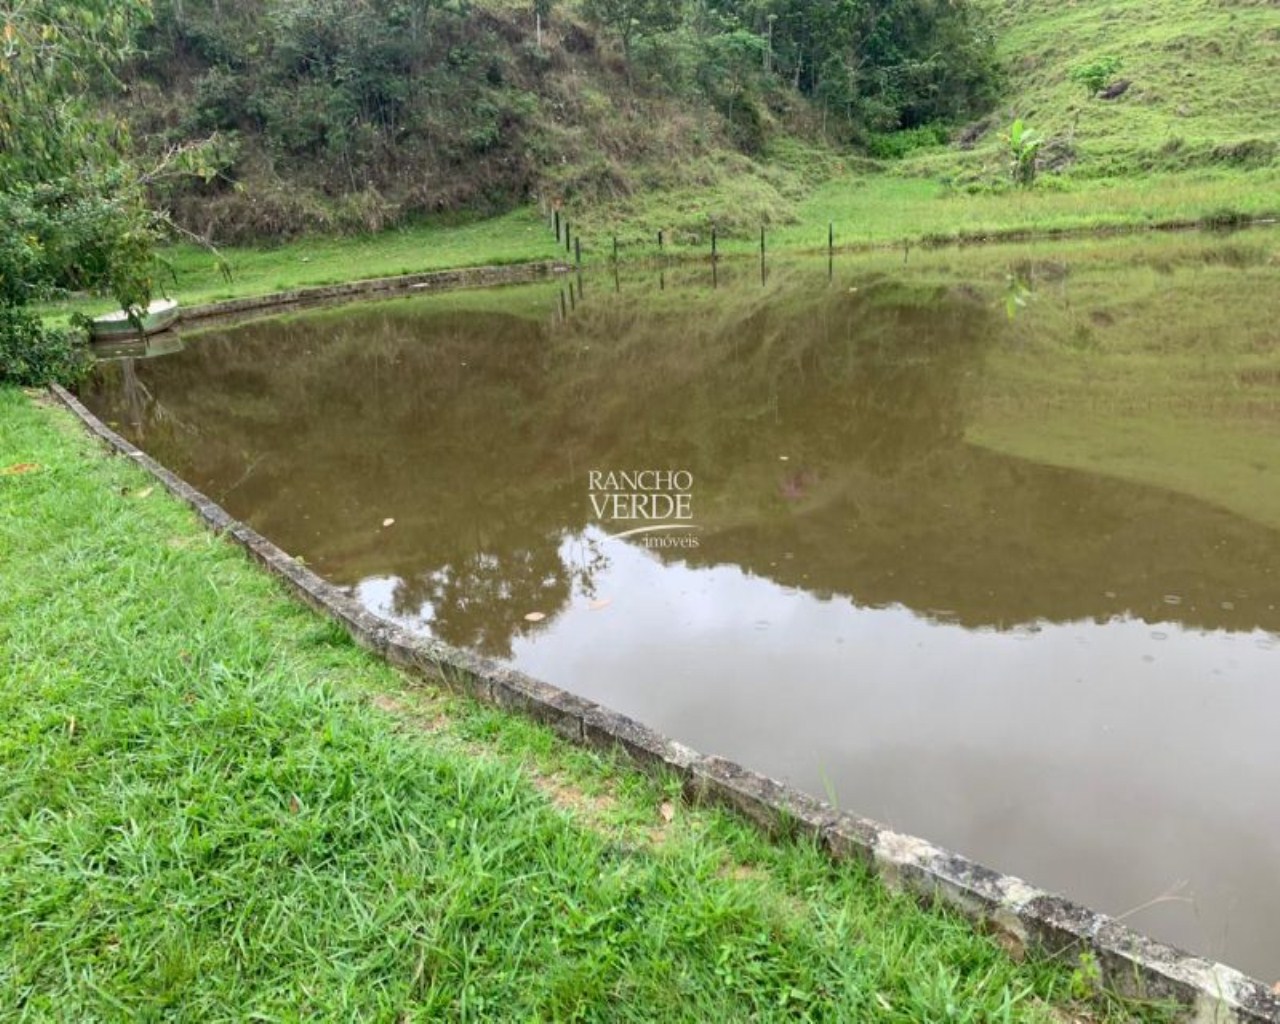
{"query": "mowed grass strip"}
{"type": "Point", "coordinates": [194, 275]}
{"type": "Point", "coordinates": [214, 807]}
{"type": "Point", "coordinates": [863, 211]}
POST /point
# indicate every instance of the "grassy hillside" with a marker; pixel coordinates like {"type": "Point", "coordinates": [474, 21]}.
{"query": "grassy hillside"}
{"type": "Point", "coordinates": [354, 118]}
{"type": "Point", "coordinates": [1205, 80]}
{"type": "Point", "coordinates": [1193, 137]}
{"type": "Point", "coordinates": [1204, 87]}
{"type": "Point", "coordinates": [320, 115]}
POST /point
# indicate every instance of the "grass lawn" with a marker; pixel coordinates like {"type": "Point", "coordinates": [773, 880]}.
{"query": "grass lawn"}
{"type": "Point", "coordinates": [883, 210]}
{"type": "Point", "coordinates": [889, 209]}
{"type": "Point", "coordinates": [193, 274]}
{"type": "Point", "coordinates": [215, 807]}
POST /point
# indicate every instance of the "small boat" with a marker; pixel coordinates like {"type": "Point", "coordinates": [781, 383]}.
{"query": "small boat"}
{"type": "Point", "coordinates": [160, 315]}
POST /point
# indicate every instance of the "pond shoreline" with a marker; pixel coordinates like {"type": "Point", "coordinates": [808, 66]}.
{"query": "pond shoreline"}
{"type": "Point", "coordinates": [1129, 962]}
{"type": "Point", "coordinates": [482, 276]}
{"type": "Point", "coordinates": [373, 287]}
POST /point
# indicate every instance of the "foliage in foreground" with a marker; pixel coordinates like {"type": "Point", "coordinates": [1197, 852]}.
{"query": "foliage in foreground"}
{"type": "Point", "coordinates": [204, 821]}
{"type": "Point", "coordinates": [33, 354]}
{"type": "Point", "coordinates": [73, 210]}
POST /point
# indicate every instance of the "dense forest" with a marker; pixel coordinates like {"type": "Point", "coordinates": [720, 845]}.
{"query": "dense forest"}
{"type": "Point", "coordinates": [327, 114]}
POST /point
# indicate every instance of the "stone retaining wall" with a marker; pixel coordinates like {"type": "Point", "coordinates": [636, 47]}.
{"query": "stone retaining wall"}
{"type": "Point", "coordinates": [1130, 963]}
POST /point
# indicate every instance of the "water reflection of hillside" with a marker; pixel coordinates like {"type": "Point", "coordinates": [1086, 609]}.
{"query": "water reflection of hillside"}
{"type": "Point", "coordinates": [990, 541]}
{"type": "Point", "coordinates": [824, 430]}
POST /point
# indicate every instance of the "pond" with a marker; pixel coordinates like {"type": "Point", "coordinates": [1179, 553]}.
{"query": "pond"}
{"type": "Point", "coordinates": [982, 543]}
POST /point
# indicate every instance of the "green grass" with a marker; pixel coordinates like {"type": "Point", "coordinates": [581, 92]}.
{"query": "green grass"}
{"type": "Point", "coordinates": [215, 807]}
{"type": "Point", "coordinates": [881, 210]}
{"type": "Point", "coordinates": [890, 209]}
{"type": "Point", "coordinates": [194, 276]}
{"type": "Point", "coordinates": [1194, 137]}
{"type": "Point", "coordinates": [1204, 74]}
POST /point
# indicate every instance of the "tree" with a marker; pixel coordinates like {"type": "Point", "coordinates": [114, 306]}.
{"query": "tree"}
{"type": "Point", "coordinates": [631, 18]}
{"type": "Point", "coordinates": [74, 209]}
{"type": "Point", "coordinates": [880, 65]}
{"type": "Point", "coordinates": [541, 13]}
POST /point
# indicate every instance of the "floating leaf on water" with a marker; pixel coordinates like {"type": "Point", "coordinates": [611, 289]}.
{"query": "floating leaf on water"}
{"type": "Point", "coordinates": [1172, 599]}
{"type": "Point", "coordinates": [599, 603]}
{"type": "Point", "coordinates": [18, 468]}
{"type": "Point", "coordinates": [388, 522]}
{"type": "Point", "coordinates": [534, 617]}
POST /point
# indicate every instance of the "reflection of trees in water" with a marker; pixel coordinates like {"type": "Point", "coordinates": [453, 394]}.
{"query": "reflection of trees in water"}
{"type": "Point", "coordinates": [875, 376]}
{"type": "Point", "coordinates": [986, 540]}
{"type": "Point", "coordinates": [479, 599]}
{"type": "Point", "coordinates": [134, 397]}
{"type": "Point", "coordinates": [475, 431]}
{"type": "Point", "coordinates": [125, 399]}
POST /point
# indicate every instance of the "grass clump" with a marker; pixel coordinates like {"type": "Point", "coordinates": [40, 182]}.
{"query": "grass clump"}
{"type": "Point", "coordinates": [217, 808]}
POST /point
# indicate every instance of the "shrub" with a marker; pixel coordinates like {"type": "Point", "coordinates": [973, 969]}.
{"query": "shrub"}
{"type": "Point", "coordinates": [1095, 75]}
{"type": "Point", "coordinates": [895, 145]}
{"type": "Point", "coordinates": [34, 355]}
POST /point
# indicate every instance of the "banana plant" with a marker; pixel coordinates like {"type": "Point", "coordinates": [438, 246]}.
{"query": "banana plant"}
{"type": "Point", "coordinates": [1024, 146]}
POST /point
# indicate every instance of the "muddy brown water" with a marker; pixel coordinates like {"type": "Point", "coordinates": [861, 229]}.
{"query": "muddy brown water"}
{"type": "Point", "coordinates": [1064, 670]}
